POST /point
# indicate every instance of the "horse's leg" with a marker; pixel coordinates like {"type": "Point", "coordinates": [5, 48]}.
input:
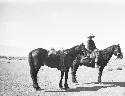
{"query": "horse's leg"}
{"type": "Point", "coordinates": [100, 74]}
{"type": "Point", "coordinates": [34, 68]}
{"type": "Point", "coordinates": [74, 74]}
{"type": "Point", "coordinates": [73, 71]}
{"type": "Point", "coordinates": [66, 78]}
{"type": "Point", "coordinates": [34, 73]}
{"type": "Point", "coordinates": [60, 83]}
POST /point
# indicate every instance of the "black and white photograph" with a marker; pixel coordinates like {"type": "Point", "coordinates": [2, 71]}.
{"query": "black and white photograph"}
{"type": "Point", "coordinates": [62, 48]}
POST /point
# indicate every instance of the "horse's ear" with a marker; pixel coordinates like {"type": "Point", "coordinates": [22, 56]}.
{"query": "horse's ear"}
{"type": "Point", "coordinates": [118, 44]}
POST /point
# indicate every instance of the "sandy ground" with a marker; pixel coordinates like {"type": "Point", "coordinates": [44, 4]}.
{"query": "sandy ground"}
{"type": "Point", "coordinates": [15, 80]}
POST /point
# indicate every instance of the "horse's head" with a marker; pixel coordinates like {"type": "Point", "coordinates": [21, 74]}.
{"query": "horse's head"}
{"type": "Point", "coordinates": [80, 48]}
{"type": "Point", "coordinates": [117, 51]}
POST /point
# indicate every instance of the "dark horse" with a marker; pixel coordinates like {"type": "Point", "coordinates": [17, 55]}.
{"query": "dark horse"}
{"type": "Point", "coordinates": [103, 58]}
{"type": "Point", "coordinates": [62, 60]}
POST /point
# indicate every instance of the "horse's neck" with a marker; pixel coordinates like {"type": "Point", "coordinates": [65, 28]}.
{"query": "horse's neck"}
{"type": "Point", "coordinates": [108, 53]}
{"type": "Point", "coordinates": [73, 53]}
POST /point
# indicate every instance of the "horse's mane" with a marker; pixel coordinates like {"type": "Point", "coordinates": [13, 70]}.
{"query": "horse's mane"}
{"type": "Point", "coordinates": [108, 48]}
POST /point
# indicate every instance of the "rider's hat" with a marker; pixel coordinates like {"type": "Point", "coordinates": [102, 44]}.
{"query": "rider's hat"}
{"type": "Point", "coordinates": [91, 36]}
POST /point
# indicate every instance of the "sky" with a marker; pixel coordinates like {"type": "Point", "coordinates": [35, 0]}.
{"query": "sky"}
{"type": "Point", "coordinates": [30, 24]}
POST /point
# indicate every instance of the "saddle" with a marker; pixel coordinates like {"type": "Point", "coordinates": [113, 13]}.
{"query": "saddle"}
{"type": "Point", "coordinates": [94, 53]}
{"type": "Point", "coordinates": [91, 55]}
{"type": "Point", "coordinates": [51, 52]}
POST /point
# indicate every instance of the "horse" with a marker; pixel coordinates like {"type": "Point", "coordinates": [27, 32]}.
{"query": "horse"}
{"type": "Point", "coordinates": [103, 58]}
{"type": "Point", "coordinates": [62, 60]}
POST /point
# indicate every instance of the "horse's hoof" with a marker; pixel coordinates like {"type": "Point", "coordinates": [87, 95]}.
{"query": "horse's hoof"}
{"type": "Point", "coordinates": [60, 86]}
{"type": "Point", "coordinates": [38, 88]}
{"type": "Point", "coordinates": [74, 81]}
{"type": "Point", "coordinates": [66, 86]}
{"type": "Point", "coordinates": [99, 82]}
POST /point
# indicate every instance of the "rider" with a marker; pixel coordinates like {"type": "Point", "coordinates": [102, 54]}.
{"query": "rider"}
{"type": "Point", "coordinates": [92, 48]}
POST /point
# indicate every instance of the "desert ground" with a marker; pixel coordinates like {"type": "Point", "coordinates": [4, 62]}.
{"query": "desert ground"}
{"type": "Point", "coordinates": [15, 80]}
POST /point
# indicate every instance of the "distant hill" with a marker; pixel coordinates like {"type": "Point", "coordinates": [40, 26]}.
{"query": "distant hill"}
{"type": "Point", "coordinates": [13, 51]}
{"type": "Point", "coordinates": [13, 58]}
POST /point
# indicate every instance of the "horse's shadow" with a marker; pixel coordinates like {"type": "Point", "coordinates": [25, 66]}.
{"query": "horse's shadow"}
{"type": "Point", "coordinates": [95, 87]}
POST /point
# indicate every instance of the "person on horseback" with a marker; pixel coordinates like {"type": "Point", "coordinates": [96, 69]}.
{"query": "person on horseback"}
{"type": "Point", "coordinates": [91, 47]}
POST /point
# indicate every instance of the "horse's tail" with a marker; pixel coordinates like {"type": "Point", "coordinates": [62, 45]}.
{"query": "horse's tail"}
{"type": "Point", "coordinates": [30, 60]}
